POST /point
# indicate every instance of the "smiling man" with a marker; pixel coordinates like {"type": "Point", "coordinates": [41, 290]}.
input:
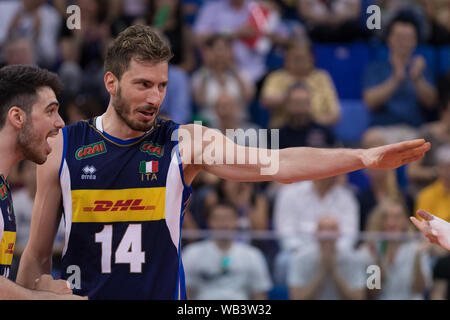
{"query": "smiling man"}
{"type": "Point", "coordinates": [28, 117]}
{"type": "Point", "coordinates": [123, 180]}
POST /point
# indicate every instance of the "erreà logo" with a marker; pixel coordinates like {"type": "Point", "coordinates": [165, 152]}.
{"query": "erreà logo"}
{"type": "Point", "coordinates": [152, 148]}
{"type": "Point", "coordinates": [90, 150]}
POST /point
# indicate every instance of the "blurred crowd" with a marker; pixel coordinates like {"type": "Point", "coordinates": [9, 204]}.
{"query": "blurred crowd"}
{"type": "Point", "coordinates": [313, 70]}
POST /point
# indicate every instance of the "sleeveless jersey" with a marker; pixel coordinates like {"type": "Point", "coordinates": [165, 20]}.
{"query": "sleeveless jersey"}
{"type": "Point", "coordinates": [123, 204]}
{"type": "Point", "coordinates": [7, 228]}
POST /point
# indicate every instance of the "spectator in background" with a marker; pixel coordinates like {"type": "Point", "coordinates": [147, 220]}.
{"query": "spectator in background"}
{"type": "Point", "coordinates": [323, 271]}
{"type": "Point", "coordinates": [229, 270]}
{"type": "Point", "coordinates": [167, 16]}
{"type": "Point", "coordinates": [300, 205]}
{"type": "Point", "coordinates": [35, 20]}
{"type": "Point", "coordinates": [332, 21]}
{"type": "Point", "coordinates": [228, 110]}
{"type": "Point", "coordinates": [300, 129]}
{"type": "Point", "coordinates": [424, 172]}
{"type": "Point", "coordinates": [441, 280]}
{"type": "Point", "coordinates": [299, 66]}
{"type": "Point", "coordinates": [82, 109]}
{"type": "Point", "coordinates": [397, 91]}
{"type": "Point", "coordinates": [18, 51]}
{"type": "Point", "coordinates": [251, 205]}
{"type": "Point", "coordinates": [219, 75]}
{"type": "Point", "coordinates": [234, 17]}
{"type": "Point", "coordinates": [404, 262]}
{"type": "Point", "coordinates": [438, 14]}
{"type": "Point", "coordinates": [436, 197]}
{"type": "Point", "coordinates": [177, 104]}
{"type": "Point", "coordinates": [70, 71]}
{"type": "Point", "coordinates": [382, 183]}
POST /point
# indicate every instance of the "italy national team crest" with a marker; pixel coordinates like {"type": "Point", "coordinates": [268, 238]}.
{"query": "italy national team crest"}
{"type": "Point", "coordinates": [149, 170]}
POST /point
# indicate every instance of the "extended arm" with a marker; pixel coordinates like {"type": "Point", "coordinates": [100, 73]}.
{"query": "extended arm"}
{"type": "Point", "coordinates": [207, 149]}
{"type": "Point", "coordinates": [37, 257]}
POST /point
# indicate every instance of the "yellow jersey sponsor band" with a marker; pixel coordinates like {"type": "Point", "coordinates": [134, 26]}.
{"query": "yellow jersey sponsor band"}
{"type": "Point", "coordinates": [124, 205]}
{"type": "Point", "coordinates": [7, 248]}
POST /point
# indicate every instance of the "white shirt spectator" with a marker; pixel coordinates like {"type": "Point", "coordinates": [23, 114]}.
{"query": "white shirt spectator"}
{"type": "Point", "coordinates": [216, 275]}
{"type": "Point", "coordinates": [298, 207]}
{"type": "Point", "coordinates": [304, 265]}
{"type": "Point", "coordinates": [399, 275]}
{"type": "Point", "coordinates": [220, 17]}
{"type": "Point", "coordinates": [214, 88]}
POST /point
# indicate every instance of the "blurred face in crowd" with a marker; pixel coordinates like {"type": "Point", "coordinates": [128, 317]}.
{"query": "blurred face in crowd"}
{"type": "Point", "coordinates": [228, 110]}
{"type": "Point", "coordinates": [19, 51]}
{"type": "Point", "coordinates": [140, 94]}
{"type": "Point", "coordinates": [299, 61]}
{"type": "Point", "coordinates": [43, 122]}
{"type": "Point", "coordinates": [223, 218]}
{"type": "Point", "coordinates": [395, 218]}
{"type": "Point", "coordinates": [402, 39]}
{"type": "Point", "coordinates": [221, 54]}
{"type": "Point", "coordinates": [299, 103]}
{"type": "Point", "coordinates": [327, 225]}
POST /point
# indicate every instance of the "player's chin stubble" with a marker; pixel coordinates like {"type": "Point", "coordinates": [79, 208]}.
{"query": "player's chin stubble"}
{"type": "Point", "coordinates": [123, 110]}
{"type": "Point", "coordinates": [29, 143]}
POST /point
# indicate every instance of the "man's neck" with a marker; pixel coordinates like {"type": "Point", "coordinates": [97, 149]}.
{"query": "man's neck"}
{"type": "Point", "coordinates": [116, 127]}
{"type": "Point", "coordinates": [10, 153]}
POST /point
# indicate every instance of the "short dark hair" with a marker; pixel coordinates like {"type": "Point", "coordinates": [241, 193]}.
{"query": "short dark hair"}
{"type": "Point", "coordinates": [407, 17]}
{"type": "Point", "coordinates": [212, 39]}
{"type": "Point", "coordinates": [19, 85]}
{"type": "Point", "coordinates": [139, 42]}
{"type": "Point", "coordinates": [221, 203]}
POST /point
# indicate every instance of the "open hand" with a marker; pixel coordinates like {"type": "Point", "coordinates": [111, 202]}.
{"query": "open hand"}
{"type": "Point", "coordinates": [46, 283]}
{"type": "Point", "coordinates": [395, 155]}
{"type": "Point", "coordinates": [435, 229]}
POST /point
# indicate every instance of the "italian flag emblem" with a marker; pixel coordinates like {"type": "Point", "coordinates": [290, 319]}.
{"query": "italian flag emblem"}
{"type": "Point", "coordinates": [148, 167]}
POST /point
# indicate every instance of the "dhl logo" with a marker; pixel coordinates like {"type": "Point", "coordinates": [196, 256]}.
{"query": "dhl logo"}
{"type": "Point", "coordinates": [3, 192]}
{"type": "Point", "coordinates": [139, 204]}
{"type": "Point", "coordinates": [152, 148]}
{"type": "Point", "coordinates": [7, 247]}
{"type": "Point", "coordinates": [90, 150]}
{"type": "Point", "coordinates": [119, 205]}
{"type": "Point", "coordinates": [10, 249]}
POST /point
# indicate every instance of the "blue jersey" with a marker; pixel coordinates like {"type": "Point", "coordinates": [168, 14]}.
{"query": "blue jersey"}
{"type": "Point", "coordinates": [7, 228]}
{"type": "Point", "coordinates": [123, 204]}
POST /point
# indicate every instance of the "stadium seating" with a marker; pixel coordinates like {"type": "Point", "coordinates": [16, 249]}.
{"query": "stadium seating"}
{"type": "Point", "coordinates": [346, 64]}
{"type": "Point", "coordinates": [354, 121]}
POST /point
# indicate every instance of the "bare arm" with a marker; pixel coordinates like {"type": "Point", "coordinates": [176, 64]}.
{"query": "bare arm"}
{"type": "Point", "coordinates": [207, 149]}
{"type": "Point", "coordinates": [375, 97]}
{"type": "Point", "coordinates": [12, 291]}
{"type": "Point", "coordinates": [37, 257]}
{"type": "Point", "coordinates": [259, 296]}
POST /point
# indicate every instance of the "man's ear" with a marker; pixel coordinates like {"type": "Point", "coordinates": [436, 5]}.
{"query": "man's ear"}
{"type": "Point", "coordinates": [17, 117]}
{"type": "Point", "coordinates": [111, 83]}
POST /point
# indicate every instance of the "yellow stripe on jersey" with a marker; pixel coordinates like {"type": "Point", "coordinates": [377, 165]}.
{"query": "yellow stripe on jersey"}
{"type": "Point", "coordinates": [7, 248]}
{"type": "Point", "coordinates": [141, 204]}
